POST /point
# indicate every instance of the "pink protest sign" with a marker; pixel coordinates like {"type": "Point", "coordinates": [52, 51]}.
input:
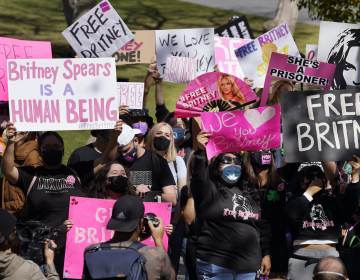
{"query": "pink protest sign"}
{"type": "Point", "coordinates": [297, 69]}
{"type": "Point", "coordinates": [13, 49]}
{"type": "Point", "coordinates": [90, 217]}
{"type": "Point", "coordinates": [214, 91]}
{"type": "Point", "coordinates": [225, 57]}
{"type": "Point", "coordinates": [249, 130]}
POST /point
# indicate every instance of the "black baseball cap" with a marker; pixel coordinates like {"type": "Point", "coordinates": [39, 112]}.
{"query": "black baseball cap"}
{"type": "Point", "coordinates": [127, 212]}
{"type": "Point", "coordinates": [7, 224]}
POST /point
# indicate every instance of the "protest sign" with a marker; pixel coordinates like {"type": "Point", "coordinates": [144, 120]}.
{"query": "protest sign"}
{"type": "Point", "coordinates": [12, 49]}
{"type": "Point", "coordinates": [238, 27]}
{"type": "Point", "coordinates": [254, 57]}
{"type": "Point", "coordinates": [321, 126]}
{"type": "Point", "coordinates": [197, 43]}
{"type": "Point", "coordinates": [131, 95]}
{"type": "Point", "coordinates": [99, 33]}
{"type": "Point", "coordinates": [311, 51]}
{"type": "Point", "coordinates": [249, 130]}
{"type": "Point", "coordinates": [297, 69]}
{"type": "Point", "coordinates": [339, 43]}
{"type": "Point", "coordinates": [139, 50]}
{"type": "Point", "coordinates": [179, 69]}
{"type": "Point", "coordinates": [90, 217]}
{"type": "Point", "coordinates": [225, 57]}
{"type": "Point", "coordinates": [214, 91]}
{"type": "Point", "coordinates": [62, 94]}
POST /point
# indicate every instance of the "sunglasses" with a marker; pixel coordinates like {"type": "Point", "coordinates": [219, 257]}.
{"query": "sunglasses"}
{"type": "Point", "coordinates": [230, 160]}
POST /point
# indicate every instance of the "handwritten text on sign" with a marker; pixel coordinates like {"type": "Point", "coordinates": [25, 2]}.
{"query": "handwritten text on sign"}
{"type": "Point", "coordinates": [62, 94]}
{"type": "Point", "coordinates": [99, 33]}
{"type": "Point", "coordinates": [249, 130]}
{"type": "Point", "coordinates": [320, 126]}
{"type": "Point", "coordinates": [90, 217]}
{"type": "Point", "coordinates": [131, 95]}
{"type": "Point", "coordinates": [12, 49]}
{"type": "Point", "coordinates": [194, 43]}
{"type": "Point", "coordinates": [299, 70]}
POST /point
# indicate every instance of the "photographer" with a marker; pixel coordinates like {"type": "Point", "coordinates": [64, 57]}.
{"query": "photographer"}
{"type": "Point", "coordinates": [123, 254]}
{"type": "Point", "coordinates": [14, 267]}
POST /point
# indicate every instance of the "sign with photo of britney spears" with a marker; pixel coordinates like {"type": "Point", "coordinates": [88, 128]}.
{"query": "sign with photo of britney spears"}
{"type": "Point", "coordinates": [254, 57]}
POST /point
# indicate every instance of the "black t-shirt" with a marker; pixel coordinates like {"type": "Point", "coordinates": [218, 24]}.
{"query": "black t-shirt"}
{"type": "Point", "coordinates": [48, 199]}
{"type": "Point", "coordinates": [152, 170]}
{"type": "Point", "coordinates": [85, 153]}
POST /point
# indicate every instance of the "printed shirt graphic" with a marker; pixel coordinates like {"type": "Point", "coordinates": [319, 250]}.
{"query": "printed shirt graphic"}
{"type": "Point", "coordinates": [318, 219]}
{"type": "Point", "coordinates": [242, 208]}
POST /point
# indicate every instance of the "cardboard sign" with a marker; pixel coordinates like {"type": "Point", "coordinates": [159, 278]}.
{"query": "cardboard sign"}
{"type": "Point", "coordinates": [321, 127]}
{"type": "Point", "coordinates": [311, 51]}
{"type": "Point", "coordinates": [254, 57]}
{"type": "Point", "coordinates": [12, 49]}
{"type": "Point", "coordinates": [180, 69]}
{"type": "Point", "coordinates": [214, 92]}
{"type": "Point", "coordinates": [62, 94]}
{"type": "Point", "coordinates": [225, 57]}
{"type": "Point", "coordinates": [339, 43]}
{"type": "Point", "coordinates": [249, 130]}
{"type": "Point", "coordinates": [235, 28]}
{"type": "Point", "coordinates": [131, 95]}
{"type": "Point", "coordinates": [99, 33]}
{"type": "Point", "coordinates": [139, 50]}
{"type": "Point", "coordinates": [195, 43]}
{"type": "Point", "coordinates": [297, 69]}
{"type": "Point", "coordinates": [90, 217]}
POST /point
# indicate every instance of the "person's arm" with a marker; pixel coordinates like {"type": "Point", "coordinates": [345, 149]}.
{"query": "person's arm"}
{"type": "Point", "coordinates": [8, 167]}
{"type": "Point", "coordinates": [330, 170]}
{"type": "Point", "coordinates": [181, 172]}
{"type": "Point", "coordinates": [49, 267]}
{"type": "Point", "coordinates": [169, 194]}
{"type": "Point", "coordinates": [189, 211]}
{"type": "Point", "coordinates": [167, 182]}
{"type": "Point", "coordinates": [157, 233]}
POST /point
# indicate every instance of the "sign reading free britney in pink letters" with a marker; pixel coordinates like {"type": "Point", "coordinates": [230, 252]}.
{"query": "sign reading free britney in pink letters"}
{"type": "Point", "coordinates": [90, 217]}
{"type": "Point", "coordinates": [249, 130]}
{"type": "Point", "coordinates": [62, 94]}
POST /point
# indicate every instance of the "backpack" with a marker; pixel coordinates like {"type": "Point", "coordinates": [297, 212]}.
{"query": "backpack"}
{"type": "Point", "coordinates": [112, 261]}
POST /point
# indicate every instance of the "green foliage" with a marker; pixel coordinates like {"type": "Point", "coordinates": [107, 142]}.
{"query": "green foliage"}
{"type": "Point", "coordinates": [332, 10]}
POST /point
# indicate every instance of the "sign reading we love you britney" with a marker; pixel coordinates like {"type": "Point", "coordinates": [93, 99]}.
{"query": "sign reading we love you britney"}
{"type": "Point", "coordinates": [62, 94]}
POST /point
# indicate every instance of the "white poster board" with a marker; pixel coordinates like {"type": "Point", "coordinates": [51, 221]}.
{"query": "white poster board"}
{"type": "Point", "coordinates": [131, 95]}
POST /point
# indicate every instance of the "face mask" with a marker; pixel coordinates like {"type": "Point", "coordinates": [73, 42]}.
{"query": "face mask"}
{"type": "Point", "coordinates": [118, 184]}
{"type": "Point", "coordinates": [142, 126]}
{"type": "Point", "coordinates": [161, 143]}
{"type": "Point", "coordinates": [231, 174]}
{"type": "Point", "coordinates": [179, 134]}
{"type": "Point", "coordinates": [52, 157]}
{"type": "Point", "coordinates": [130, 156]}
{"type": "Point", "coordinates": [261, 160]}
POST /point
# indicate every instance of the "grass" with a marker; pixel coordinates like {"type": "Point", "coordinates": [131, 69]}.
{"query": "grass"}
{"type": "Point", "coordinates": [44, 20]}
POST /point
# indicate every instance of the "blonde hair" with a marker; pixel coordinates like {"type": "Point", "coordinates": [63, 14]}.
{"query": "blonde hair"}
{"type": "Point", "coordinates": [171, 153]}
{"type": "Point", "coordinates": [234, 87]}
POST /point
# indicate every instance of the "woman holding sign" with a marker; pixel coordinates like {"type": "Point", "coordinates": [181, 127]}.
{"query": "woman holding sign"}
{"type": "Point", "coordinates": [234, 240]}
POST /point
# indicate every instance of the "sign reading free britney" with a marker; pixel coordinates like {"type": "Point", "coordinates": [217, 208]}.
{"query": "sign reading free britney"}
{"type": "Point", "coordinates": [62, 94]}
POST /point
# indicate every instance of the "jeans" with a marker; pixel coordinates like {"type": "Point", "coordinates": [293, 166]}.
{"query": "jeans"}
{"type": "Point", "coordinates": [207, 271]}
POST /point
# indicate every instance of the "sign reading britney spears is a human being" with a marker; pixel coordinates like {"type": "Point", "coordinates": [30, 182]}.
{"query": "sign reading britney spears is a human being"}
{"type": "Point", "coordinates": [62, 94]}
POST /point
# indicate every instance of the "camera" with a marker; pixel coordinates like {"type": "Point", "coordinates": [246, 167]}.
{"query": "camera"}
{"type": "Point", "coordinates": [149, 217]}
{"type": "Point", "coordinates": [32, 236]}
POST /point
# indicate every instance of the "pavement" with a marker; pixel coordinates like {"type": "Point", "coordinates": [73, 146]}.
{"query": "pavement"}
{"type": "Point", "coordinates": [263, 8]}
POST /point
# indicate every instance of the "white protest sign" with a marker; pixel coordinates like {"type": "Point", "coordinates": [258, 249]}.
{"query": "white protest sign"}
{"type": "Point", "coordinates": [62, 94]}
{"type": "Point", "coordinates": [311, 51]}
{"type": "Point", "coordinates": [339, 43]}
{"type": "Point", "coordinates": [131, 95]}
{"type": "Point", "coordinates": [180, 69]}
{"type": "Point", "coordinates": [197, 43]}
{"type": "Point", "coordinates": [254, 57]}
{"type": "Point", "coordinates": [99, 33]}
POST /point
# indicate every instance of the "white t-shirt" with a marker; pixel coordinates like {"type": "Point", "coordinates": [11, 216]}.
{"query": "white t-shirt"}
{"type": "Point", "coordinates": [180, 167]}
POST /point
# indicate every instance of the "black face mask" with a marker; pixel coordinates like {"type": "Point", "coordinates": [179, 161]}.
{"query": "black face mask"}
{"type": "Point", "coordinates": [118, 184]}
{"type": "Point", "coordinates": [161, 143]}
{"type": "Point", "coordinates": [52, 157]}
{"type": "Point", "coordinates": [261, 160]}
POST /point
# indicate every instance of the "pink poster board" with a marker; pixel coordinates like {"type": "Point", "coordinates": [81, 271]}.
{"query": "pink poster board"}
{"type": "Point", "coordinates": [249, 130]}
{"type": "Point", "coordinates": [214, 91]}
{"type": "Point", "coordinates": [297, 69]}
{"type": "Point", "coordinates": [90, 217]}
{"type": "Point", "coordinates": [13, 49]}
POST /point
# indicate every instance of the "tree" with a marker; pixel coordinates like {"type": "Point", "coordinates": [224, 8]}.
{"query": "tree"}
{"type": "Point", "coordinates": [332, 10]}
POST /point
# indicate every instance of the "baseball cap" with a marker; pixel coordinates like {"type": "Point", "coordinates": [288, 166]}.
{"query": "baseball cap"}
{"type": "Point", "coordinates": [127, 134]}
{"type": "Point", "coordinates": [7, 224]}
{"type": "Point", "coordinates": [126, 213]}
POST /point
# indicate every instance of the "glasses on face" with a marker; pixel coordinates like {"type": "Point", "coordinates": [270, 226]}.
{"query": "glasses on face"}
{"type": "Point", "coordinates": [230, 160]}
